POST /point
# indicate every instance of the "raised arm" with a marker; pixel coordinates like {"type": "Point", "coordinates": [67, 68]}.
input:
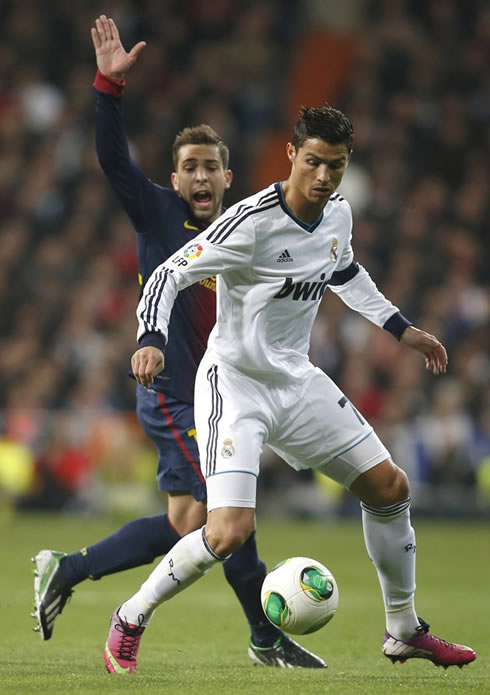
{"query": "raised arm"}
{"type": "Point", "coordinates": [126, 178]}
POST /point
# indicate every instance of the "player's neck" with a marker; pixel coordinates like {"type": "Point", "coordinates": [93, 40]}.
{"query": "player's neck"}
{"type": "Point", "coordinates": [204, 223]}
{"type": "Point", "coordinates": [302, 208]}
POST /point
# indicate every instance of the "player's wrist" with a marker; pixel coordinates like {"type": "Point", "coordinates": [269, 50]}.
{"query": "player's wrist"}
{"type": "Point", "coordinates": [109, 84]}
{"type": "Point", "coordinates": [153, 339]}
{"type": "Point", "coordinates": [397, 325]}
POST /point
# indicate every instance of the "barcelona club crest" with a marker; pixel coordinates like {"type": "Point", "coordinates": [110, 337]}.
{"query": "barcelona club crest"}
{"type": "Point", "coordinates": [334, 250]}
{"type": "Point", "coordinates": [228, 449]}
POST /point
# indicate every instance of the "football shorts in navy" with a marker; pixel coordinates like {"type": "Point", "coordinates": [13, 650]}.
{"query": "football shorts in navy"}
{"type": "Point", "coordinates": [169, 424]}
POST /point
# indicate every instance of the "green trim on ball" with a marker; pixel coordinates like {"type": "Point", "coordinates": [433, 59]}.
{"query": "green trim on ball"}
{"type": "Point", "coordinates": [316, 584]}
{"type": "Point", "coordinates": [276, 609]}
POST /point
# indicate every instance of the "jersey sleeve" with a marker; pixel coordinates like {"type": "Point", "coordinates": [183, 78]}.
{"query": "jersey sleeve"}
{"type": "Point", "coordinates": [356, 289]}
{"type": "Point", "coordinates": [353, 284]}
{"type": "Point", "coordinates": [129, 183]}
{"type": "Point", "coordinates": [210, 253]}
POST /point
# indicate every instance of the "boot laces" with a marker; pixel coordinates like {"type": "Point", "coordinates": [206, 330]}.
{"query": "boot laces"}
{"type": "Point", "coordinates": [424, 628]}
{"type": "Point", "coordinates": [130, 637]}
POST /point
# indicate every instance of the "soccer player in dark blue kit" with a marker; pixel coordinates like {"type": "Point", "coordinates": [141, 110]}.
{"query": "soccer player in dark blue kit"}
{"type": "Point", "coordinates": [164, 219]}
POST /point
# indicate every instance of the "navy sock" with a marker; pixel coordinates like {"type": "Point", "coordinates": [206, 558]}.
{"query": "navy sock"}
{"type": "Point", "coordinates": [137, 543]}
{"type": "Point", "coordinates": [245, 573]}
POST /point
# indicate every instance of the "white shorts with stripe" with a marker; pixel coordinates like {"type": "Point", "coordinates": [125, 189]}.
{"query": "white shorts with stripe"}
{"type": "Point", "coordinates": [308, 423]}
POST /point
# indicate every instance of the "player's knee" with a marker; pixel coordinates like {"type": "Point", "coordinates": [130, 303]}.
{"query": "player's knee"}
{"type": "Point", "coordinates": [395, 488]}
{"type": "Point", "coordinates": [227, 540]}
{"type": "Point", "coordinates": [403, 486]}
{"type": "Point", "coordinates": [382, 485]}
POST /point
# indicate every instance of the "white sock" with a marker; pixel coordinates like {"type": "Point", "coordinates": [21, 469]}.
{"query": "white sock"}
{"type": "Point", "coordinates": [186, 562]}
{"type": "Point", "coordinates": [390, 542]}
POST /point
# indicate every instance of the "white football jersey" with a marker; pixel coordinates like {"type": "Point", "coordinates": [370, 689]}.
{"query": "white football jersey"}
{"type": "Point", "coordinates": [272, 270]}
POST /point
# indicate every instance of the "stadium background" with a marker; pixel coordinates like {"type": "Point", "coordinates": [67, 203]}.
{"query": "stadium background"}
{"type": "Point", "coordinates": [414, 78]}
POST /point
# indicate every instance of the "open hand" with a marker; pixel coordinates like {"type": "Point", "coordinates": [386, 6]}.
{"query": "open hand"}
{"type": "Point", "coordinates": [146, 363]}
{"type": "Point", "coordinates": [434, 352]}
{"type": "Point", "coordinates": [112, 60]}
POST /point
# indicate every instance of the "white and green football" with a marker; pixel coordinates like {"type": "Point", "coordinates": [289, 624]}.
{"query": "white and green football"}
{"type": "Point", "coordinates": [300, 595]}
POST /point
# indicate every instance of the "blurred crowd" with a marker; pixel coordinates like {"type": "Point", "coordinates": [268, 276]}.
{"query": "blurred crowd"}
{"type": "Point", "coordinates": [419, 98]}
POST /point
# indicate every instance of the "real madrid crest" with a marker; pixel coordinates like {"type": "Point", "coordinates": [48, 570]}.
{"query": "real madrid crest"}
{"type": "Point", "coordinates": [334, 250]}
{"type": "Point", "coordinates": [228, 449]}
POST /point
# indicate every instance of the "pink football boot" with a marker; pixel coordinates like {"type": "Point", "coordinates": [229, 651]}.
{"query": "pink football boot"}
{"type": "Point", "coordinates": [427, 646]}
{"type": "Point", "coordinates": [122, 644]}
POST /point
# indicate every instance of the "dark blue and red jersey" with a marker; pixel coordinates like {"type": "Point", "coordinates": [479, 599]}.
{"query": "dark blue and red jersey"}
{"type": "Point", "coordinates": [164, 223]}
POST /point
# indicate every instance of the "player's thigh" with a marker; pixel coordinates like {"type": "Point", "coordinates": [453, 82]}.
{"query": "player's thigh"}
{"type": "Point", "coordinates": [170, 426]}
{"type": "Point", "coordinates": [359, 459]}
{"type": "Point", "coordinates": [324, 427]}
{"type": "Point", "coordinates": [231, 426]}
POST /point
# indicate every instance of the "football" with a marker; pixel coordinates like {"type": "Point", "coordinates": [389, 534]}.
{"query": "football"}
{"type": "Point", "coordinates": [300, 595]}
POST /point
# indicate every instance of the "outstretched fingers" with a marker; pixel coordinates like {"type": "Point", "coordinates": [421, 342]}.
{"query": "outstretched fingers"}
{"type": "Point", "coordinates": [113, 29]}
{"type": "Point", "coordinates": [105, 27]}
{"type": "Point", "coordinates": [100, 31]}
{"type": "Point", "coordinates": [136, 50]}
{"type": "Point", "coordinates": [95, 38]}
{"type": "Point", "coordinates": [103, 30]}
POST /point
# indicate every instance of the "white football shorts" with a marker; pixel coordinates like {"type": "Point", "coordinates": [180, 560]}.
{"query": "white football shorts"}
{"type": "Point", "coordinates": [308, 423]}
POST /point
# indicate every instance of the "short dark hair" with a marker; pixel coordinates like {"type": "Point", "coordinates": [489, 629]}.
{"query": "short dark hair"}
{"type": "Point", "coordinates": [200, 135]}
{"type": "Point", "coordinates": [325, 123]}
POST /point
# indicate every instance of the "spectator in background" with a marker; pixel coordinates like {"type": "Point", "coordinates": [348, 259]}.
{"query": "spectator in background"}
{"type": "Point", "coordinates": [419, 99]}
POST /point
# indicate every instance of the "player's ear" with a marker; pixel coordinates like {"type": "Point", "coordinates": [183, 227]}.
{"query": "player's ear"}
{"type": "Point", "coordinates": [291, 152]}
{"type": "Point", "coordinates": [228, 178]}
{"type": "Point", "coordinates": [174, 178]}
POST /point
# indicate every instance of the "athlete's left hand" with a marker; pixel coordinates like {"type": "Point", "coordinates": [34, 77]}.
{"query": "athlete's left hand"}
{"type": "Point", "coordinates": [434, 352]}
{"type": "Point", "coordinates": [146, 363]}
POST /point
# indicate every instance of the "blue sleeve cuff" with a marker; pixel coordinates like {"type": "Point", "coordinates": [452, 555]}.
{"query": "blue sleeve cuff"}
{"type": "Point", "coordinates": [340, 277]}
{"type": "Point", "coordinates": [396, 324]}
{"type": "Point", "coordinates": [154, 339]}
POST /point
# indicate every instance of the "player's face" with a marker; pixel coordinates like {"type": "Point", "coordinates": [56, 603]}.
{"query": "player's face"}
{"type": "Point", "coordinates": [317, 170]}
{"type": "Point", "coordinates": [201, 180]}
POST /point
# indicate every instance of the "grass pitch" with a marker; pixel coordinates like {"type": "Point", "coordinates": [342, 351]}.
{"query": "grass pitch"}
{"type": "Point", "coordinates": [197, 643]}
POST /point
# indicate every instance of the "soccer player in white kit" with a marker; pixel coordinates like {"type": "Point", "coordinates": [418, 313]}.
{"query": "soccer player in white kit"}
{"type": "Point", "coordinates": [274, 255]}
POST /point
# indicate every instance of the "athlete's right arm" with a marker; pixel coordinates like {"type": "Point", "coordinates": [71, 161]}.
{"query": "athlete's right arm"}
{"type": "Point", "coordinates": [228, 244]}
{"type": "Point", "coordinates": [128, 181]}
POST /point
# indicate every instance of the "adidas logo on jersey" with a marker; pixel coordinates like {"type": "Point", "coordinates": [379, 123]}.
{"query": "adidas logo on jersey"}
{"type": "Point", "coordinates": [285, 257]}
